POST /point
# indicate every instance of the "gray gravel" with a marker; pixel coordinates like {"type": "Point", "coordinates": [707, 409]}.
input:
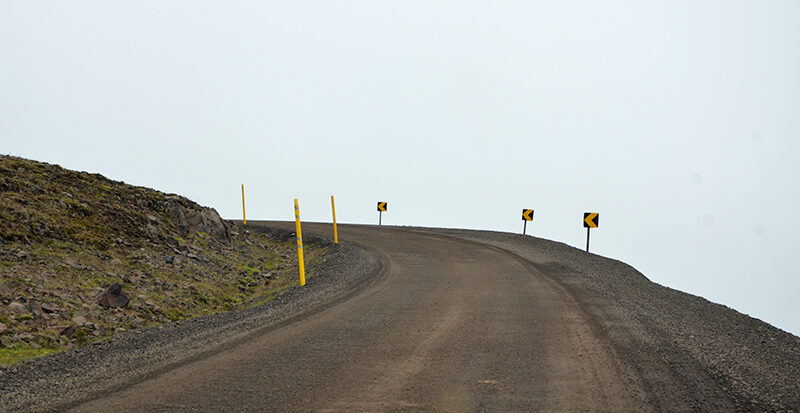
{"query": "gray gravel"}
{"type": "Point", "coordinates": [59, 381]}
{"type": "Point", "coordinates": [690, 353]}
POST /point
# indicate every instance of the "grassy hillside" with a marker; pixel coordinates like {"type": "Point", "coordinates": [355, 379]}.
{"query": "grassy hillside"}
{"type": "Point", "coordinates": [65, 236]}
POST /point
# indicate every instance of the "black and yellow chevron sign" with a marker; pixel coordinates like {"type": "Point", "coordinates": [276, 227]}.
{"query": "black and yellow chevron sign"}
{"type": "Point", "coordinates": [383, 206]}
{"type": "Point", "coordinates": [527, 214]}
{"type": "Point", "coordinates": [591, 220]}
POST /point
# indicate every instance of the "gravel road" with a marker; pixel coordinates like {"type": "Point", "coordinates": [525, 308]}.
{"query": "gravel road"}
{"type": "Point", "coordinates": [56, 382]}
{"type": "Point", "coordinates": [456, 321]}
{"type": "Point", "coordinates": [687, 353]}
{"type": "Point", "coordinates": [453, 326]}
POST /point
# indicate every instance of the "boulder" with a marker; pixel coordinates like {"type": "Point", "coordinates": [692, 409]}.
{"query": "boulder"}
{"type": "Point", "coordinates": [198, 219]}
{"type": "Point", "coordinates": [113, 297]}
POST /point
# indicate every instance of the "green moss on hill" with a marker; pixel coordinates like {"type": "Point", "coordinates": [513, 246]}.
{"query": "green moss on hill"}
{"type": "Point", "coordinates": [67, 235]}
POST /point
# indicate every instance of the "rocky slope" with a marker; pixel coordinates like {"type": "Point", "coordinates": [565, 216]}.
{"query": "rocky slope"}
{"type": "Point", "coordinates": [66, 237]}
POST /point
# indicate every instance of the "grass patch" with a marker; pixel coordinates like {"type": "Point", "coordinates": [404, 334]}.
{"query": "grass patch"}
{"type": "Point", "coordinates": [249, 270]}
{"type": "Point", "coordinates": [263, 299]}
{"type": "Point", "coordinates": [10, 356]}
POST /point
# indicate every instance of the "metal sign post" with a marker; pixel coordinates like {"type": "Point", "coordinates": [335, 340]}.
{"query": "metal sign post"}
{"type": "Point", "coordinates": [299, 232]}
{"type": "Point", "coordinates": [244, 214]}
{"type": "Point", "coordinates": [587, 238]}
{"type": "Point", "coordinates": [383, 206]}
{"type": "Point", "coordinates": [590, 220]}
{"type": "Point", "coordinates": [335, 232]}
{"type": "Point", "coordinates": [527, 215]}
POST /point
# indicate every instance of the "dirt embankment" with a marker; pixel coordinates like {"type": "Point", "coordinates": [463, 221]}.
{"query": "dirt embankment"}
{"type": "Point", "coordinates": [67, 236]}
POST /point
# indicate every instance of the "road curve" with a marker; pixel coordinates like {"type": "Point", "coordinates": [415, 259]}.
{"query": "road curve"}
{"type": "Point", "coordinates": [451, 325]}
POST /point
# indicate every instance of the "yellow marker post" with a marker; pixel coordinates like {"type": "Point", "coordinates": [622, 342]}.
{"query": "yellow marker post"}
{"type": "Point", "coordinates": [299, 242]}
{"type": "Point", "coordinates": [244, 215]}
{"type": "Point", "coordinates": [335, 233]}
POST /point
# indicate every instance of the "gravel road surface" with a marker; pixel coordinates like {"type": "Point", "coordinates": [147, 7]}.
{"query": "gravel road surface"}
{"type": "Point", "coordinates": [455, 321]}
{"type": "Point", "coordinates": [454, 326]}
{"type": "Point", "coordinates": [685, 352]}
{"type": "Point", "coordinates": [56, 382]}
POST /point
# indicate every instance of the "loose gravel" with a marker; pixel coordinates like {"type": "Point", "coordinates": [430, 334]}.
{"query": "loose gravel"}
{"type": "Point", "coordinates": [687, 353]}
{"type": "Point", "coordinates": [58, 381]}
{"type": "Point", "coordinates": [691, 354]}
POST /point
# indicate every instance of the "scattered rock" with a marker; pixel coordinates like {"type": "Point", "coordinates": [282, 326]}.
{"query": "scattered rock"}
{"type": "Point", "coordinates": [35, 308]}
{"type": "Point", "coordinates": [23, 337]}
{"type": "Point", "coordinates": [3, 328]}
{"type": "Point", "coordinates": [67, 331]}
{"type": "Point", "coordinates": [151, 229]}
{"type": "Point", "coordinates": [113, 297]}
{"type": "Point", "coordinates": [5, 292]}
{"type": "Point", "coordinates": [73, 263]}
{"type": "Point", "coordinates": [197, 220]}
{"type": "Point", "coordinates": [49, 308]}
{"type": "Point", "coordinates": [15, 307]}
{"type": "Point", "coordinates": [45, 301]}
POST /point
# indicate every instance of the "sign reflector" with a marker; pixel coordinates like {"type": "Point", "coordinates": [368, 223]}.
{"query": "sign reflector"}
{"type": "Point", "coordinates": [591, 220]}
{"type": "Point", "coordinates": [527, 214]}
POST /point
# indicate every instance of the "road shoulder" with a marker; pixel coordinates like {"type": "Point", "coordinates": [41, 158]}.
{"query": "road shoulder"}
{"type": "Point", "coordinates": [65, 379]}
{"type": "Point", "coordinates": [688, 353]}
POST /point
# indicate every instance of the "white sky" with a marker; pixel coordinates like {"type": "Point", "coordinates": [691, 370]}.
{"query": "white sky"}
{"type": "Point", "coordinates": [678, 121]}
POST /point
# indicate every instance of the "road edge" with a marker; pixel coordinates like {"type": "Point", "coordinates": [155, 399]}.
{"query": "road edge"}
{"type": "Point", "coordinates": [60, 381]}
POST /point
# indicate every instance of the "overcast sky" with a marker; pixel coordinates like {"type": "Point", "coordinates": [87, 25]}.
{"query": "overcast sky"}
{"type": "Point", "coordinates": [677, 121]}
